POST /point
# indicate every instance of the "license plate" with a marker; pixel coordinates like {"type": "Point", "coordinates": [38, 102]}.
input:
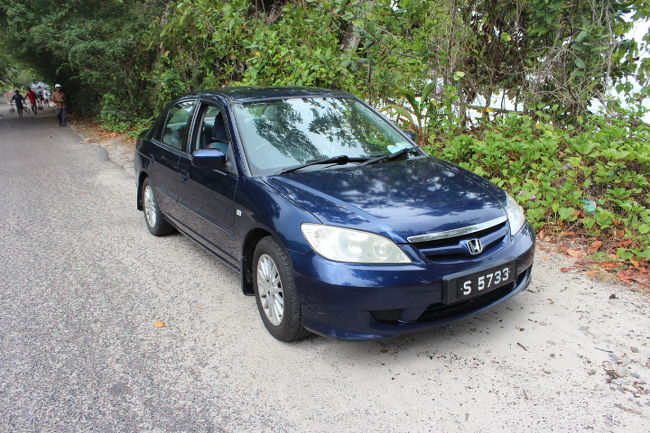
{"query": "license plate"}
{"type": "Point", "coordinates": [469, 286]}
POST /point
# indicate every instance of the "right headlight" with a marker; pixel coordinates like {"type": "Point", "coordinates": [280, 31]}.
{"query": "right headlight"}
{"type": "Point", "coordinates": [352, 246]}
{"type": "Point", "coordinates": [515, 214]}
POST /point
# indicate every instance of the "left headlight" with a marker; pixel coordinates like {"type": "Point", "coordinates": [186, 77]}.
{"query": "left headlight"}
{"type": "Point", "coordinates": [352, 246]}
{"type": "Point", "coordinates": [515, 214]}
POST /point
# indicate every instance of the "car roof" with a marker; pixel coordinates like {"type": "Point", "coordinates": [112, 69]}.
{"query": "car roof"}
{"type": "Point", "coordinates": [248, 94]}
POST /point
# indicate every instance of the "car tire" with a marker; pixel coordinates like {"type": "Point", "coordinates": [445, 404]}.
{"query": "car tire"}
{"type": "Point", "coordinates": [275, 291]}
{"type": "Point", "coordinates": [153, 217]}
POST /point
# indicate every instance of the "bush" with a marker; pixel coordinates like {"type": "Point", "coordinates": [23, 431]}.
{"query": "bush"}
{"type": "Point", "coordinates": [114, 116]}
{"type": "Point", "coordinates": [593, 181]}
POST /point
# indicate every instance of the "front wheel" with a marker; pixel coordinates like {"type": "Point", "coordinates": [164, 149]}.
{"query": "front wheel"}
{"type": "Point", "coordinates": [153, 217]}
{"type": "Point", "coordinates": [275, 291]}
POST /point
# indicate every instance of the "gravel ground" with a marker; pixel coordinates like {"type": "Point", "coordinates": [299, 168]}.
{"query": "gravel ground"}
{"type": "Point", "coordinates": [82, 285]}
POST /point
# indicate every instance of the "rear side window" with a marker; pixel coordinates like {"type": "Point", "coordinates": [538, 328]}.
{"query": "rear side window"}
{"type": "Point", "coordinates": [176, 126]}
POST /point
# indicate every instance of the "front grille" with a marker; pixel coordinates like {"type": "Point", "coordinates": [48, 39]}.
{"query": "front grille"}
{"type": "Point", "coordinates": [452, 249]}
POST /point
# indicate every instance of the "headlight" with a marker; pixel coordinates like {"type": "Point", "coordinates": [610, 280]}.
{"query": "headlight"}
{"type": "Point", "coordinates": [352, 246]}
{"type": "Point", "coordinates": [515, 214]}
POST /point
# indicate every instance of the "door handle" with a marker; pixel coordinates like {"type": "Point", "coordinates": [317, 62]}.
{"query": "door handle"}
{"type": "Point", "coordinates": [185, 175]}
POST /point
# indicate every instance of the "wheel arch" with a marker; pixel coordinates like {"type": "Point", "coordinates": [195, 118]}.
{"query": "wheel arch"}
{"type": "Point", "coordinates": [141, 178]}
{"type": "Point", "coordinates": [248, 249]}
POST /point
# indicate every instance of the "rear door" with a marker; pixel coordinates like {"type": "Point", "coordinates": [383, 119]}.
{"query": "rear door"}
{"type": "Point", "coordinates": [165, 154]}
{"type": "Point", "coordinates": [206, 197]}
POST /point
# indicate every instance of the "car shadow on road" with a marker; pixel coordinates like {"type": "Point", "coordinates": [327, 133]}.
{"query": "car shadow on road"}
{"type": "Point", "coordinates": [493, 328]}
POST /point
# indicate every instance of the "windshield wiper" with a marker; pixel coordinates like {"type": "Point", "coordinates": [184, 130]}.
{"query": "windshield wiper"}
{"type": "Point", "coordinates": [340, 159]}
{"type": "Point", "coordinates": [393, 155]}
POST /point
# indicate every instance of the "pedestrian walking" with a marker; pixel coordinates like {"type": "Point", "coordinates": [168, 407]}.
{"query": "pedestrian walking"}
{"type": "Point", "coordinates": [46, 97]}
{"type": "Point", "coordinates": [18, 100]}
{"type": "Point", "coordinates": [39, 97]}
{"type": "Point", "coordinates": [60, 100]}
{"type": "Point", "coordinates": [31, 95]}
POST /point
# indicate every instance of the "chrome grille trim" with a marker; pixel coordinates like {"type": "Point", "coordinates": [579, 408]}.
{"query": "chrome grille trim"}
{"type": "Point", "coordinates": [456, 232]}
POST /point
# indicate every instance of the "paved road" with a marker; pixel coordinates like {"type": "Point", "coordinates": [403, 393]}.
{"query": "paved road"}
{"type": "Point", "coordinates": [82, 284]}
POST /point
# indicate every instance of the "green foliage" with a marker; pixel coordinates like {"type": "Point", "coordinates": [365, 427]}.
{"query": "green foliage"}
{"type": "Point", "coordinates": [596, 179]}
{"type": "Point", "coordinates": [92, 48]}
{"type": "Point", "coordinates": [429, 64]}
{"type": "Point", "coordinates": [112, 114]}
{"type": "Point", "coordinates": [300, 49]}
{"type": "Point", "coordinates": [549, 56]}
{"type": "Point", "coordinates": [430, 112]}
{"type": "Point", "coordinates": [114, 118]}
{"type": "Point", "coordinates": [206, 43]}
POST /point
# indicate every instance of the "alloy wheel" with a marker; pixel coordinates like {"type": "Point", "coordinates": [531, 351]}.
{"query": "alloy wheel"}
{"type": "Point", "coordinates": [269, 288]}
{"type": "Point", "coordinates": [150, 206]}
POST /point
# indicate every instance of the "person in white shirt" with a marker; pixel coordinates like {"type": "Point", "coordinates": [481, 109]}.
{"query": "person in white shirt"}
{"type": "Point", "coordinates": [46, 97]}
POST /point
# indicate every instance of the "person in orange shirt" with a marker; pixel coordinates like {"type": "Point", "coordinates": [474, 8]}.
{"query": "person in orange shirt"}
{"type": "Point", "coordinates": [60, 100]}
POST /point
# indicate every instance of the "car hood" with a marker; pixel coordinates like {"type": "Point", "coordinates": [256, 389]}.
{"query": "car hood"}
{"type": "Point", "coordinates": [397, 198]}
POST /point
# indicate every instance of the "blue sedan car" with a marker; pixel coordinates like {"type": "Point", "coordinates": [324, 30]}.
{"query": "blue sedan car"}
{"type": "Point", "coordinates": [336, 221]}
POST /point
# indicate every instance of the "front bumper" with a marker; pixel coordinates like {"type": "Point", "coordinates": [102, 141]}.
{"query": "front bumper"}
{"type": "Point", "coordinates": [354, 301]}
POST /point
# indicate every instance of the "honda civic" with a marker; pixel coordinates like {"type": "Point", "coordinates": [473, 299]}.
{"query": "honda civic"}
{"type": "Point", "coordinates": [336, 221]}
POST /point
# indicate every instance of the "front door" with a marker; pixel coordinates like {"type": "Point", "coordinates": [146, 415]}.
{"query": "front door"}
{"type": "Point", "coordinates": [205, 197]}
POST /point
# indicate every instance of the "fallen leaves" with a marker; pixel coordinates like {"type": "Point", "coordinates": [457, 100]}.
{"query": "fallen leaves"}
{"type": "Point", "coordinates": [159, 324]}
{"type": "Point", "coordinates": [541, 235]}
{"type": "Point", "coordinates": [575, 253]}
{"type": "Point", "coordinates": [637, 273]}
{"type": "Point", "coordinates": [624, 276]}
{"type": "Point", "coordinates": [595, 246]}
{"type": "Point", "coordinates": [631, 275]}
{"type": "Point", "coordinates": [596, 257]}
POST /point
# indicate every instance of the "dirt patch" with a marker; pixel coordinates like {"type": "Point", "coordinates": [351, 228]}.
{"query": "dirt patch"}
{"type": "Point", "coordinates": [119, 147]}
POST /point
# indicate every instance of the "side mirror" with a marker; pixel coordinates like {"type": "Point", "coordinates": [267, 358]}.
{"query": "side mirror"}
{"type": "Point", "coordinates": [209, 159]}
{"type": "Point", "coordinates": [410, 134]}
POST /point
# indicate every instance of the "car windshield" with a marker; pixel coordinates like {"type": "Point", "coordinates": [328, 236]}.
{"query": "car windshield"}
{"type": "Point", "coordinates": [289, 132]}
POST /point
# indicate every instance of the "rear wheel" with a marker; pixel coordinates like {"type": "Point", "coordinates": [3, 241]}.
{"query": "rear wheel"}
{"type": "Point", "coordinates": [153, 217]}
{"type": "Point", "coordinates": [275, 291]}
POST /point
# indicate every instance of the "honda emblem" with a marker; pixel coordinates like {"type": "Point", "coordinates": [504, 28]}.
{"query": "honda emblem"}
{"type": "Point", "coordinates": [474, 246]}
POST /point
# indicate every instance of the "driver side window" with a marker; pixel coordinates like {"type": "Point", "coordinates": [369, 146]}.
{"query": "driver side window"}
{"type": "Point", "coordinates": [212, 130]}
{"type": "Point", "coordinates": [212, 133]}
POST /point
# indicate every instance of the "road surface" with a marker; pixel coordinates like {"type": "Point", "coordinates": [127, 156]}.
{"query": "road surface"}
{"type": "Point", "coordinates": [82, 285]}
